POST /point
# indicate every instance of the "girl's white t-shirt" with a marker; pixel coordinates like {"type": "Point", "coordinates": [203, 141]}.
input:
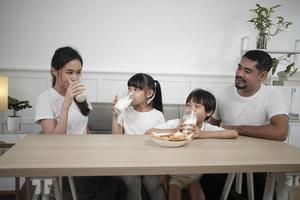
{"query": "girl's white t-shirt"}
{"type": "Point", "coordinates": [137, 123]}
{"type": "Point", "coordinates": [49, 105]}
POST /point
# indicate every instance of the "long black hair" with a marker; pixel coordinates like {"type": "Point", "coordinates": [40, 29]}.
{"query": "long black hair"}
{"type": "Point", "coordinates": [61, 57]}
{"type": "Point", "coordinates": [144, 82]}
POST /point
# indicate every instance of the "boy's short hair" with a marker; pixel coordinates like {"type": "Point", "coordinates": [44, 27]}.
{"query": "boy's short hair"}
{"type": "Point", "coordinates": [203, 97]}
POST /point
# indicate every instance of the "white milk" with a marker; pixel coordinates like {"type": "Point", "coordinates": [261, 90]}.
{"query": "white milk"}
{"type": "Point", "coordinates": [123, 104]}
{"type": "Point", "coordinates": [80, 98]}
{"type": "Point", "coordinates": [189, 119]}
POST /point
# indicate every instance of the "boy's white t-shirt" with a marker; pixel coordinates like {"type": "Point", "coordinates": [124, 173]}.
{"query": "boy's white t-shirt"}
{"type": "Point", "coordinates": [174, 123]}
{"type": "Point", "coordinates": [137, 123]}
{"type": "Point", "coordinates": [255, 110]}
{"type": "Point", "coordinates": [49, 105]}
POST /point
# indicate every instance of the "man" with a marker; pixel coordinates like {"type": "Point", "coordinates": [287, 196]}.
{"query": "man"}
{"type": "Point", "coordinates": [251, 108]}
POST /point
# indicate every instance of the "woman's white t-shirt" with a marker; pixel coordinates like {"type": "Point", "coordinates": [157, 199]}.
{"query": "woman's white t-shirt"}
{"type": "Point", "coordinates": [49, 105]}
{"type": "Point", "coordinates": [137, 123]}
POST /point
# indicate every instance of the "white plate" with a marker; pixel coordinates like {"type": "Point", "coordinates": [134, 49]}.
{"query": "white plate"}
{"type": "Point", "coordinates": [167, 143]}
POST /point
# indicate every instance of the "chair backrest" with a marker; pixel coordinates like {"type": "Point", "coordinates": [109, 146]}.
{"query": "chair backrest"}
{"type": "Point", "coordinates": [100, 118]}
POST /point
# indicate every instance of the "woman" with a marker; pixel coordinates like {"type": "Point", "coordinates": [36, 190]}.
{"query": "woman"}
{"type": "Point", "coordinates": [58, 112]}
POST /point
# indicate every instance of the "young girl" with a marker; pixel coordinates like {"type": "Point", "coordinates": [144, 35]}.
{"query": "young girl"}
{"type": "Point", "coordinates": [57, 112]}
{"type": "Point", "coordinates": [203, 104]}
{"type": "Point", "coordinates": [145, 113]}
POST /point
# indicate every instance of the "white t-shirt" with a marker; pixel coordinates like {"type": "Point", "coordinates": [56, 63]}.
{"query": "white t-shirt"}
{"type": "Point", "coordinates": [49, 105]}
{"type": "Point", "coordinates": [174, 123]}
{"type": "Point", "coordinates": [255, 110]}
{"type": "Point", "coordinates": [137, 123]}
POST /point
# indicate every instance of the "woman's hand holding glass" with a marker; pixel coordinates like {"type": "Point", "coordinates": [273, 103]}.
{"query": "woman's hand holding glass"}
{"type": "Point", "coordinates": [75, 88]}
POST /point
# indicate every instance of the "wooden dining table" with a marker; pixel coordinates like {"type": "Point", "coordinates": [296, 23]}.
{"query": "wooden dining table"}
{"type": "Point", "coordinates": [90, 155]}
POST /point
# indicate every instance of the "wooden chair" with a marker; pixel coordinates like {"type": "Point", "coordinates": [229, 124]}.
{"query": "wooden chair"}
{"type": "Point", "coordinates": [276, 182]}
{"type": "Point", "coordinates": [42, 186]}
{"type": "Point", "coordinates": [4, 147]}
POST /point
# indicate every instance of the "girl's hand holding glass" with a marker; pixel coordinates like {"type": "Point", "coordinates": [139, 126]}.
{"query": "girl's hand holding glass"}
{"type": "Point", "coordinates": [121, 104]}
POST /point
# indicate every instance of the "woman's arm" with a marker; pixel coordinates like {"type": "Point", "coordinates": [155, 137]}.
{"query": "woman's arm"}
{"type": "Point", "coordinates": [54, 126]}
{"type": "Point", "coordinates": [60, 126]}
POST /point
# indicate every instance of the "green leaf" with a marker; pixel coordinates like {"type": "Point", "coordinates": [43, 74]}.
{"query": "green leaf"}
{"type": "Point", "coordinates": [288, 68]}
{"type": "Point", "coordinates": [16, 105]}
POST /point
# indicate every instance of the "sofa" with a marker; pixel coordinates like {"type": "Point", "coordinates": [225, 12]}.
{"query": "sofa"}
{"type": "Point", "coordinates": [100, 118]}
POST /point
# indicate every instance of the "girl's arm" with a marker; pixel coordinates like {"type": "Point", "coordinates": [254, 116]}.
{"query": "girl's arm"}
{"type": "Point", "coordinates": [116, 127]}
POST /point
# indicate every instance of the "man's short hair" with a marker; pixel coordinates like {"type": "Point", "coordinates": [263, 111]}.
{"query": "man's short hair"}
{"type": "Point", "coordinates": [263, 59]}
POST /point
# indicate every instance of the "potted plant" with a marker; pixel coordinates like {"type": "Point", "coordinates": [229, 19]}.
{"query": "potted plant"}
{"type": "Point", "coordinates": [263, 23]}
{"type": "Point", "coordinates": [290, 68]}
{"type": "Point", "coordinates": [13, 122]}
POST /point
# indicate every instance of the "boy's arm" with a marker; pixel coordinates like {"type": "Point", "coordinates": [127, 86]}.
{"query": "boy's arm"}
{"type": "Point", "coordinates": [158, 130]}
{"type": "Point", "coordinates": [221, 134]}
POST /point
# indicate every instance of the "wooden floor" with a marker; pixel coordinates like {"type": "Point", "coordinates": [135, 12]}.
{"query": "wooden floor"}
{"type": "Point", "coordinates": [296, 192]}
{"type": "Point", "coordinates": [7, 197]}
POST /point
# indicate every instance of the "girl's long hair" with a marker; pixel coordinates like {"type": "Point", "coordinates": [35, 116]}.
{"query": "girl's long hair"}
{"type": "Point", "coordinates": [144, 82]}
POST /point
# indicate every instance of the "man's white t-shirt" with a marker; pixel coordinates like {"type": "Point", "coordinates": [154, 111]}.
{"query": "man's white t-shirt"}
{"type": "Point", "coordinates": [255, 110]}
{"type": "Point", "coordinates": [137, 123]}
{"type": "Point", "coordinates": [49, 106]}
{"type": "Point", "coordinates": [174, 123]}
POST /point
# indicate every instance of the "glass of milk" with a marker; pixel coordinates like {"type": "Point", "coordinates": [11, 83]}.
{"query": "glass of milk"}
{"type": "Point", "coordinates": [81, 97]}
{"type": "Point", "coordinates": [123, 103]}
{"type": "Point", "coordinates": [189, 119]}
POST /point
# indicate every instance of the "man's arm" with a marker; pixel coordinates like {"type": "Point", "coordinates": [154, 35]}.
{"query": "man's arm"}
{"type": "Point", "coordinates": [214, 121]}
{"type": "Point", "coordinates": [276, 130]}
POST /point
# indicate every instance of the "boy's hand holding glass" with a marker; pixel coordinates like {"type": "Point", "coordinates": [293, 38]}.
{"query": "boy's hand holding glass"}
{"type": "Point", "coordinates": [188, 125]}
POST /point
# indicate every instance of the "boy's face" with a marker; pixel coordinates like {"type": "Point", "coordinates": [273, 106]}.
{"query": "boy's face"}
{"type": "Point", "coordinates": [199, 109]}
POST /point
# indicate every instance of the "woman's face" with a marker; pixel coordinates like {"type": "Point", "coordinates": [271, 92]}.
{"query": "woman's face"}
{"type": "Point", "coordinates": [70, 72]}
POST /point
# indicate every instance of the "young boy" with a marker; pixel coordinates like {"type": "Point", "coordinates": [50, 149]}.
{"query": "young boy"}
{"type": "Point", "coordinates": [203, 103]}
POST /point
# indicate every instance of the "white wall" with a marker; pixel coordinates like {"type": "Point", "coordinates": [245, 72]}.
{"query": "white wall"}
{"type": "Point", "coordinates": [161, 36]}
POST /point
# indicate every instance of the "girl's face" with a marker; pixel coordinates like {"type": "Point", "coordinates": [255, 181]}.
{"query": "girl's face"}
{"type": "Point", "coordinates": [70, 72]}
{"type": "Point", "coordinates": [199, 109]}
{"type": "Point", "coordinates": [139, 96]}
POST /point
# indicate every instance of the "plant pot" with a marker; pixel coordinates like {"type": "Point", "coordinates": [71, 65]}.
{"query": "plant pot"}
{"type": "Point", "coordinates": [262, 40]}
{"type": "Point", "coordinates": [13, 123]}
{"type": "Point", "coordinates": [268, 80]}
